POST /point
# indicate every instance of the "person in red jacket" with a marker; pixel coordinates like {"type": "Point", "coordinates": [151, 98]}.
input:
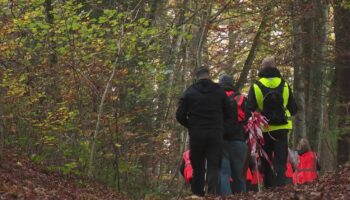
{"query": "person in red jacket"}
{"type": "Point", "coordinates": [307, 168]}
{"type": "Point", "coordinates": [186, 167]}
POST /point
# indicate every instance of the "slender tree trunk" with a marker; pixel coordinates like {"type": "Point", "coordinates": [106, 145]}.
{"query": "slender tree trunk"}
{"type": "Point", "coordinates": [97, 128]}
{"type": "Point", "coordinates": [316, 81]}
{"type": "Point", "coordinates": [342, 74]}
{"type": "Point", "coordinates": [307, 19]}
{"type": "Point", "coordinates": [115, 139]}
{"type": "Point", "coordinates": [299, 90]}
{"type": "Point", "coordinates": [49, 19]}
{"type": "Point", "coordinates": [232, 37]}
{"type": "Point", "coordinates": [327, 151]}
{"type": "Point", "coordinates": [100, 110]}
{"type": "Point", "coordinates": [173, 61]}
{"type": "Point", "coordinates": [2, 130]}
{"type": "Point", "coordinates": [52, 89]}
{"type": "Point", "coordinates": [252, 53]}
{"type": "Point", "coordinates": [202, 34]}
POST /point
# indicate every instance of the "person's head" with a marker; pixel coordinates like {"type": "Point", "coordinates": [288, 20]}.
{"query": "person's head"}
{"type": "Point", "coordinates": [268, 62]}
{"type": "Point", "coordinates": [202, 73]}
{"type": "Point", "coordinates": [304, 145]}
{"type": "Point", "coordinates": [226, 82]}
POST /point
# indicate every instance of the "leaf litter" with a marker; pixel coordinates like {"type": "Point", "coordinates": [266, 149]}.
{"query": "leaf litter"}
{"type": "Point", "coordinates": [20, 178]}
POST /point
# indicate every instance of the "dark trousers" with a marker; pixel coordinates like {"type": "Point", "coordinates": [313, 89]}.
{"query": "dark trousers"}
{"type": "Point", "coordinates": [205, 148]}
{"type": "Point", "coordinates": [277, 150]}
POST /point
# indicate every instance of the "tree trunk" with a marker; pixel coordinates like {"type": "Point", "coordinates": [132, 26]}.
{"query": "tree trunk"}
{"type": "Point", "coordinates": [52, 61]}
{"type": "Point", "coordinates": [232, 38]}
{"type": "Point", "coordinates": [52, 89]}
{"type": "Point", "coordinates": [342, 74]}
{"type": "Point", "coordinates": [166, 98]}
{"type": "Point", "coordinates": [97, 128]}
{"type": "Point", "coordinates": [100, 110]}
{"type": "Point", "coordinates": [307, 19]}
{"type": "Point", "coordinates": [316, 79]}
{"type": "Point", "coordinates": [252, 53]}
{"type": "Point", "coordinates": [2, 131]}
{"type": "Point", "coordinates": [299, 90]}
{"type": "Point", "coordinates": [327, 141]}
{"type": "Point", "coordinates": [202, 34]}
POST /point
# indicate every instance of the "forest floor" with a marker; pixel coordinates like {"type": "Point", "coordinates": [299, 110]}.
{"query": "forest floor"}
{"type": "Point", "coordinates": [20, 178]}
{"type": "Point", "coordinates": [331, 186]}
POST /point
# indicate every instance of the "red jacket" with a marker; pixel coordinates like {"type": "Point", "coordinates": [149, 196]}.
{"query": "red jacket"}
{"type": "Point", "coordinates": [188, 171]}
{"type": "Point", "coordinates": [289, 170]}
{"type": "Point", "coordinates": [307, 170]}
{"type": "Point", "coordinates": [249, 176]}
{"type": "Point", "coordinates": [257, 178]}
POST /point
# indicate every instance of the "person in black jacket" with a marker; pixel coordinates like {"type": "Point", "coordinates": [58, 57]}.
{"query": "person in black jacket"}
{"type": "Point", "coordinates": [235, 148]}
{"type": "Point", "coordinates": [273, 97]}
{"type": "Point", "coordinates": [203, 109]}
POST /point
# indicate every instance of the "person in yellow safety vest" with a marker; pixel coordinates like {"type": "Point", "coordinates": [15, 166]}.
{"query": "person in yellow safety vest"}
{"type": "Point", "coordinates": [273, 98]}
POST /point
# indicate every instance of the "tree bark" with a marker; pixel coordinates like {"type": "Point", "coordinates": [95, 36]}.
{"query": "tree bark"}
{"type": "Point", "coordinates": [342, 74]}
{"type": "Point", "coordinates": [252, 53]}
{"type": "Point", "coordinates": [316, 79]}
{"type": "Point", "coordinates": [202, 34]}
{"type": "Point", "coordinates": [2, 130]}
{"type": "Point", "coordinates": [307, 20]}
{"type": "Point", "coordinates": [52, 89]}
{"type": "Point", "coordinates": [299, 89]}
{"type": "Point", "coordinates": [232, 38]}
{"type": "Point", "coordinates": [49, 19]}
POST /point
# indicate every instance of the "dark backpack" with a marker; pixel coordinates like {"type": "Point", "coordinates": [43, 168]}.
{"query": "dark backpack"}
{"type": "Point", "coordinates": [273, 108]}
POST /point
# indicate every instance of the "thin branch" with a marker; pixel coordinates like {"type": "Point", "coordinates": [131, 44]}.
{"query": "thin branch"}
{"type": "Point", "coordinates": [251, 56]}
{"type": "Point", "coordinates": [203, 34]}
{"type": "Point", "coordinates": [217, 14]}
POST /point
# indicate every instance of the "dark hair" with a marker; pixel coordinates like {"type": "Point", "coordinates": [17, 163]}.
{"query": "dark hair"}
{"type": "Point", "coordinates": [202, 71]}
{"type": "Point", "coordinates": [226, 82]}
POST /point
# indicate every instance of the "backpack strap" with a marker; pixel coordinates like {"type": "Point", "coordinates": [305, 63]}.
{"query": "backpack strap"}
{"type": "Point", "coordinates": [261, 87]}
{"type": "Point", "coordinates": [232, 95]}
{"type": "Point", "coordinates": [265, 89]}
{"type": "Point", "coordinates": [240, 100]}
{"type": "Point", "coordinates": [280, 87]}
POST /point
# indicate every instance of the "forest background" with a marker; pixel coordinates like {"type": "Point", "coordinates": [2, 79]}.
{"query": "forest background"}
{"type": "Point", "coordinates": [90, 87]}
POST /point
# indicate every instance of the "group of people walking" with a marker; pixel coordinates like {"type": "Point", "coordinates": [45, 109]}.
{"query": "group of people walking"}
{"type": "Point", "coordinates": [215, 116]}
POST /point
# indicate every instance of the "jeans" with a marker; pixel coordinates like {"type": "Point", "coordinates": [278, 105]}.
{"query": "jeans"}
{"type": "Point", "coordinates": [235, 153]}
{"type": "Point", "coordinates": [277, 150]}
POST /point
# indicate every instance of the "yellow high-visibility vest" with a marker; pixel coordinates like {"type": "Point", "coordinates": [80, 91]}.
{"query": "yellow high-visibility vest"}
{"type": "Point", "coordinates": [273, 83]}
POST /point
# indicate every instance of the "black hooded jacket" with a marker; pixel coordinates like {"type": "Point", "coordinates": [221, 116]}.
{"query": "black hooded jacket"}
{"type": "Point", "coordinates": [270, 72]}
{"type": "Point", "coordinates": [204, 105]}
